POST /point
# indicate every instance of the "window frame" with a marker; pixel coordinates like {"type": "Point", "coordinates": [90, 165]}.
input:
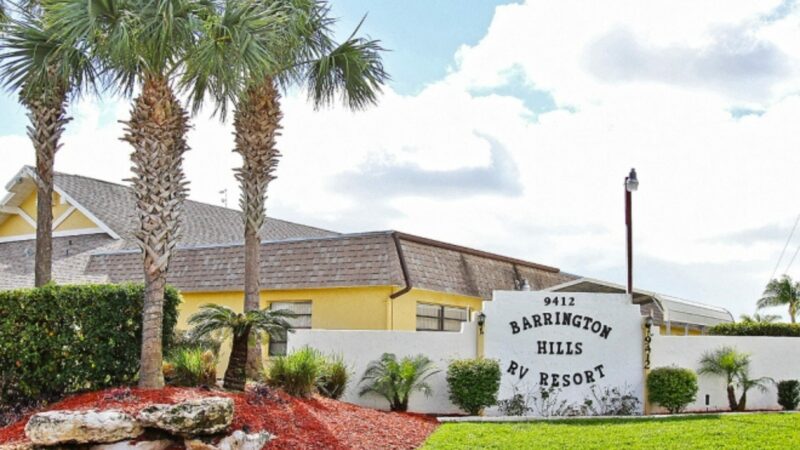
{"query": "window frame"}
{"type": "Point", "coordinates": [285, 340]}
{"type": "Point", "coordinates": [441, 318]}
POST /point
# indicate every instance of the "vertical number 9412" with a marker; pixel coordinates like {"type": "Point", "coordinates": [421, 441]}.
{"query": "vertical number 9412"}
{"type": "Point", "coordinates": [559, 301]}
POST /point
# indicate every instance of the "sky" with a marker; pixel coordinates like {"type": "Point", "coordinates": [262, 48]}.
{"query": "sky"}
{"type": "Point", "coordinates": [511, 128]}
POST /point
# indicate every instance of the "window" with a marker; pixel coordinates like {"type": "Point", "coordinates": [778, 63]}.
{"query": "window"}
{"type": "Point", "coordinates": [277, 347]}
{"type": "Point", "coordinates": [440, 317]}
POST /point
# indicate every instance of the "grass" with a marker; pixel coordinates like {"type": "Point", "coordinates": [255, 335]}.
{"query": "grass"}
{"type": "Point", "coordinates": [746, 431]}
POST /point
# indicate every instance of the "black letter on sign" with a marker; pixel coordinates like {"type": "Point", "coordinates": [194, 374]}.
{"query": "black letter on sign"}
{"type": "Point", "coordinates": [526, 325]}
{"type": "Point", "coordinates": [522, 372]}
{"type": "Point", "coordinates": [514, 327]}
{"type": "Point", "coordinates": [541, 347]}
{"type": "Point", "coordinates": [512, 368]}
{"type": "Point", "coordinates": [599, 370]}
{"type": "Point", "coordinates": [542, 379]}
{"type": "Point", "coordinates": [606, 331]}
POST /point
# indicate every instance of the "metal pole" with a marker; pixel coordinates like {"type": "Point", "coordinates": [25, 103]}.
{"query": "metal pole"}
{"type": "Point", "coordinates": [629, 224]}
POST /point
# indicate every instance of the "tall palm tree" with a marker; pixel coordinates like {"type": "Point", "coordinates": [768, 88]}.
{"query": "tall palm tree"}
{"type": "Point", "coordinates": [782, 292]}
{"type": "Point", "coordinates": [728, 363]}
{"type": "Point", "coordinates": [45, 73]}
{"type": "Point", "coordinates": [286, 43]}
{"type": "Point", "coordinates": [141, 44]}
{"type": "Point", "coordinates": [213, 319]}
{"type": "Point", "coordinates": [759, 318]}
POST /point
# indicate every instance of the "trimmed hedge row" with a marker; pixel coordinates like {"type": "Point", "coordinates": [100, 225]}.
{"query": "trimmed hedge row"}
{"type": "Point", "coordinates": [756, 329]}
{"type": "Point", "coordinates": [57, 340]}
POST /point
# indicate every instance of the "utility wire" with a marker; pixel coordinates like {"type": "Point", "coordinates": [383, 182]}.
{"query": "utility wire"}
{"type": "Point", "coordinates": [785, 246]}
{"type": "Point", "coordinates": [792, 260]}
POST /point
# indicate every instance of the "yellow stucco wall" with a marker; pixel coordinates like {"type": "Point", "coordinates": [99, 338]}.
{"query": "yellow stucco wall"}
{"type": "Point", "coordinates": [679, 330]}
{"type": "Point", "coordinates": [356, 308]}
{"type": "Point", "coordinates": [75, 221]}
{"type": "Point", "coordinates": [17, 226]}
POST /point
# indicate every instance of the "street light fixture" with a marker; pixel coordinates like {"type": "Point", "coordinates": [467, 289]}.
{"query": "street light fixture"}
{"type": "Point", "coordinates": [631, 184]}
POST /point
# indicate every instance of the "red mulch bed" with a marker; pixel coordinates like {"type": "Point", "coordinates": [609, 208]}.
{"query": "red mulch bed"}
{"type": "Point", "coordinates": [315, 423]}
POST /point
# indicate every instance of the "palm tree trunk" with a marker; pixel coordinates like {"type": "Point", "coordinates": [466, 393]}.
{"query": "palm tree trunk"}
{"type": "Point", "coordinates": [732, 398]}
{"type": "Point", "coordinates": [47, 114]}
{"type": "Point", "coordinates": [156, 131]}
{"type": "Point", "coordinates": [235, 374]}
{"type": "Point", "coordinates": [257, 125]}
{"type": "Point", "coordinates": [742, 401]}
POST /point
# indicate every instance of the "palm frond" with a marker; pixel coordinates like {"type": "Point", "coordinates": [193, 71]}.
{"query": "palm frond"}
{"type": "Point", "coordinates": [34, 60]}
{"type": "Point", "coordinates": [352, 71]}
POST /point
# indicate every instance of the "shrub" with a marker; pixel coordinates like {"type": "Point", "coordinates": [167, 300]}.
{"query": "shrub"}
{"type": "Point", "coordinates": [612, 401]}
{"type": "Point", "coordinates": [191, 367]}
{"type": "Point", "coordinates": [789, 394]}
{"type": "Point", "coordinates": [519, 404]}
{"type": "Point", "coordinates": [296, 373]}
{"type": "Point", "coordinates": [395, 379]}
{"type": "Point", "coordinates": [756, 329]}
{"type": "Point", "coordinates": [473, 383]}
{"type": "Point", "coordinates": [672, 387]}
{"type": "Point", "coordinates": [57, 340]}
{"type": "Point", "coordinates": [333, 377]}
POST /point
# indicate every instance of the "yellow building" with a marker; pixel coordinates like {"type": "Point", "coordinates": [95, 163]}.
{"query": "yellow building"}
{"type": "Point", "coordinates": [383, 280]}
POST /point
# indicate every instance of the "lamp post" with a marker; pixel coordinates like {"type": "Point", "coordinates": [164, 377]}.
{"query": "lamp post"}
{"type": "Point", "coordinates": [631, 184]}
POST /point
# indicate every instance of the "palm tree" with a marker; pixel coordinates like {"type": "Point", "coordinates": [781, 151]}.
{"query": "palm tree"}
{"type": "Point", "coordinates": [395, 380]}
{"type": "Point", "coordinates": [728, 363]}
{"type": "Point", "coordinates": [46, 73]}
{"type": "Point", "coordinates": [213, 319]}
{"type": "Point", "coordinates": [287, 43]}
{"type": "Point", "coordinates": [782, 292]}
{"type": "Point", "coordinates": [141, 44]}
{"type": "Point", "coordinates": [759, 318]}
{"type": "Point", "coordinates": [746, 383]}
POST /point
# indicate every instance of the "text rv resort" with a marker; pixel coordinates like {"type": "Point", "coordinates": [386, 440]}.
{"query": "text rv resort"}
{"type": "Point", "coordinates": [545, 347]}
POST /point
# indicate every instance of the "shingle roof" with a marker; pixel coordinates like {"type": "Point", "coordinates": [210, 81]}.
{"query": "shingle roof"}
{"type": "Point", "coordinates": [204, 224]}
{"type": "Point", "coordinates": [367, 259]}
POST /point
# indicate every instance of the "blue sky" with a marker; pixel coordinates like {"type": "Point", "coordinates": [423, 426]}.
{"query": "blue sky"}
{"type": "Point", "coordinates": [509, 127]}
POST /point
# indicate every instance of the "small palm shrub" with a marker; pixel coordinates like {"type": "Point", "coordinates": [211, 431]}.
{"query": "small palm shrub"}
{"type": "Point", "coordinates": [191, 367]}
{"type": "Point", "coordinates": [672, 387]}
{"type": "Point", "coordinates": [215, 321]}
{"type": "Point", "coordinates": [333, 377]}
{"type": "Point", "coordinates": [297, 373]}
{"type": "Point", "coordinates": [395, 380]}
{"type": "Point", "coordinates": [473, 383]}
{"type": "Point", "coordinates": [789, 394]}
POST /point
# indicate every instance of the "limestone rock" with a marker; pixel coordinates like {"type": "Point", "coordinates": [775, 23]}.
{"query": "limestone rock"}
{"type": "Point", "coordinates": [81, 427]}
{"type": "Point", "coordinates": [238, 440]}
{"type": "Point", "coordinates": [209, 415]}
{"type": "Point", "coordinates": [17, 446]}
{"type": "Point", "coordinates": [160, 444]}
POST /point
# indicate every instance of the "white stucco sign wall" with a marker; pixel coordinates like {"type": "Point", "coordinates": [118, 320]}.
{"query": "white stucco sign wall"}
{"type": "Point", "coordinates": [565, 341]}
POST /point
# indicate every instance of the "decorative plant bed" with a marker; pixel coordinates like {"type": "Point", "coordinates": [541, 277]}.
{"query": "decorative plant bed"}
{"type": "Point", "coordinates": [314, 423]}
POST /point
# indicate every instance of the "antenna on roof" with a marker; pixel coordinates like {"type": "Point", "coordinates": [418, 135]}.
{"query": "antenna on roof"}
{"type": "Point", "coordinates": [224, 199]}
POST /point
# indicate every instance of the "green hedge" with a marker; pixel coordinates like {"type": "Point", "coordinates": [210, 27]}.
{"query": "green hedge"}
{"type": "Point", "coordinates": [57, 340]}
{"type": "Point", "coordinates": [756, 329]}
{"type": "Point", "coordinates": [474, 383]}
{"type": "Point", "coordinates": [672, 387]}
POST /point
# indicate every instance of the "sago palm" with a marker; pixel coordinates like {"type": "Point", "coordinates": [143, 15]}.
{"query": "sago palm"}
{"type": "Point", "coordinates": [395, 380]}
{"type": "Point", "coordinates": [247, 56]}
{"type": "Point", "coordinates": [45, 73]}
{"type": "Point", "coordinates": [216, 319]}
{"type": "Point", "coordinates": [728, 363]}
{"type": "Point", "coordinates": [782, 292]}
{"type": "Point", "coordinates": [141, 44]}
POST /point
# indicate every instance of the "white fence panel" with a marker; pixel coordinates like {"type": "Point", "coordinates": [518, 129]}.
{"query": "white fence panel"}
{"type": "Point", "coordinates": [774, 357]}
{"type": "Point", "coordinates": [359, 348]}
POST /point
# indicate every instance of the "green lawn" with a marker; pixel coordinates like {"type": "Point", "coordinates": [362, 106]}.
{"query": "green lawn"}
{"type": "Point", "coordinates": [750, 431]}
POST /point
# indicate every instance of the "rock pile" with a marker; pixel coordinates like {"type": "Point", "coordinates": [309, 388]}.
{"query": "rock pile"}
{"type": "Point", "coordinates": [193, 423]}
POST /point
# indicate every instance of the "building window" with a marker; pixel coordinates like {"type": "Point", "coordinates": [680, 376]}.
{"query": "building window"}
{"type": "Point", "coordinates": [277, 347]}
{"type": "Point", "coordinates": [440, 317]}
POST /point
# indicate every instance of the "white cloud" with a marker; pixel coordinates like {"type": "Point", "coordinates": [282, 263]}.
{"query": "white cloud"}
{"type": "Point", "coordinates": [706, 176]}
